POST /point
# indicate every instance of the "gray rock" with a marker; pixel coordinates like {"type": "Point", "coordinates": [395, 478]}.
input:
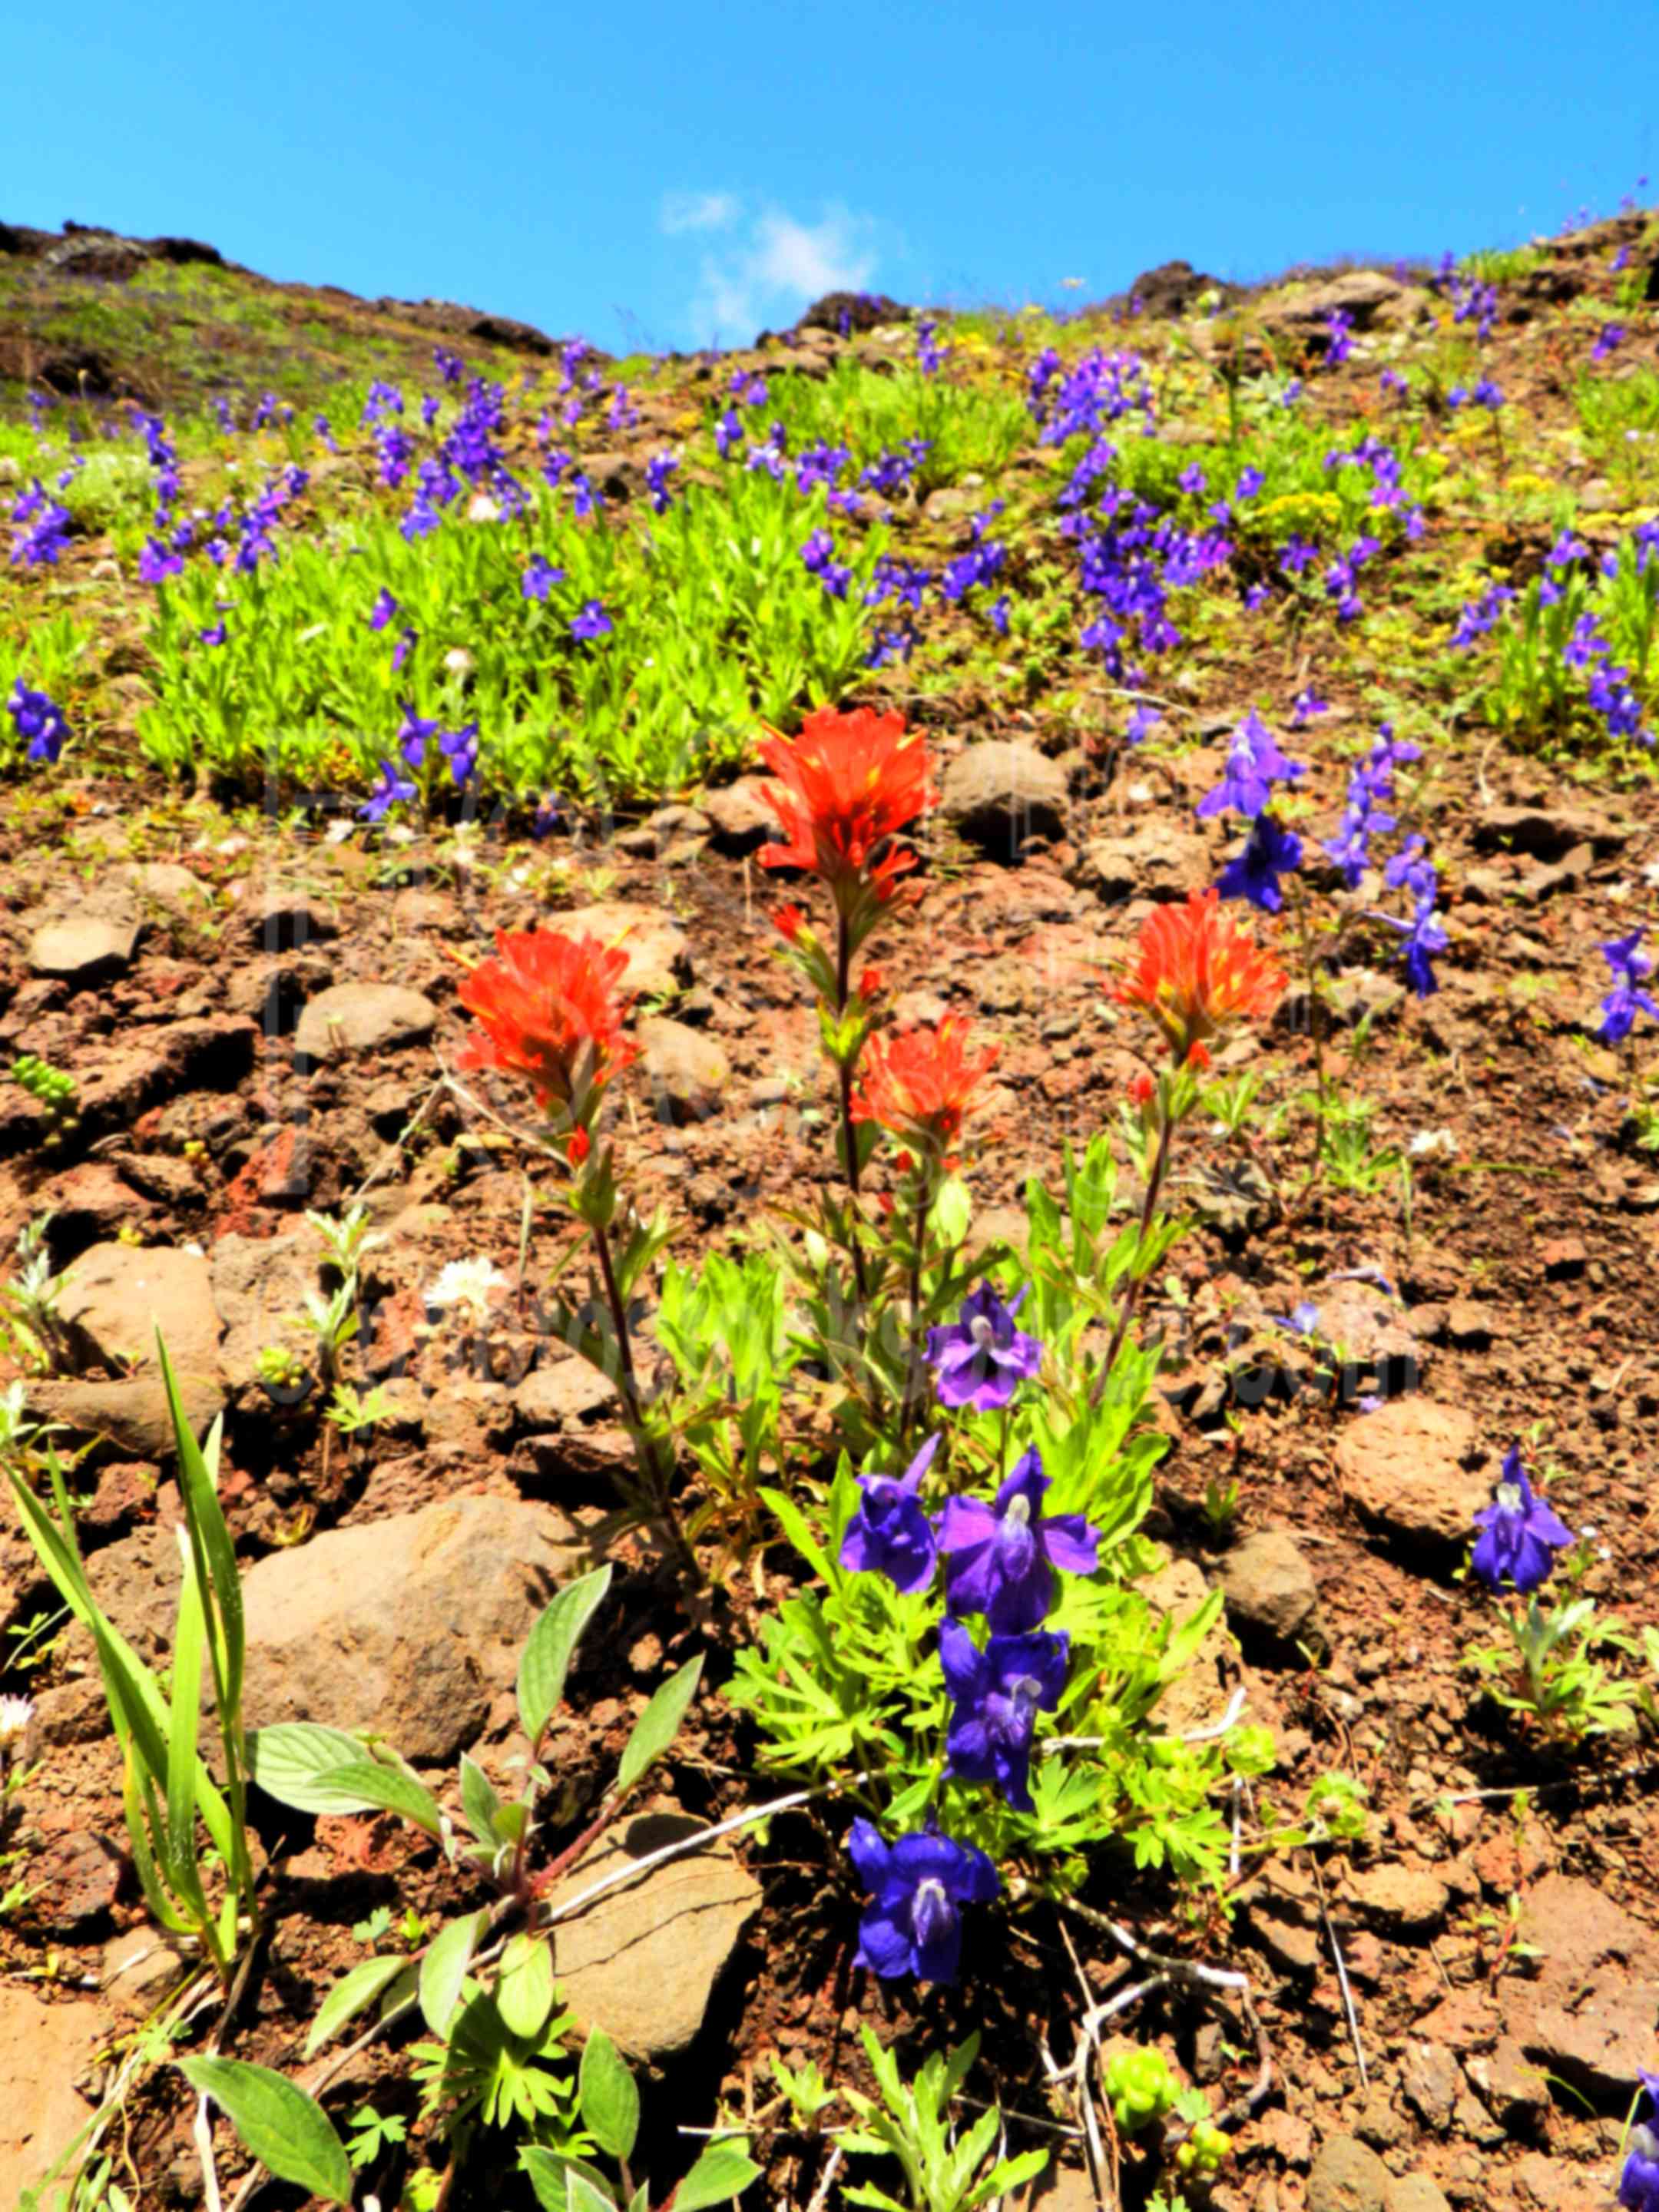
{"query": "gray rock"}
{"type": "Point", "coordinates": [1371, 299]}
{"type": "Point", "coordinates": [363, 1017]}
{"type": "Point", "coordinates": [659, 957]}
{"type": "Point", "coordinates": [409, 1626]}
{"type": "Point", "coordinates": [43, 2047]}
{"type": "Point", "coordinates": [1401, 1901]}
{"type": "Point", "coordinates": [642, 1960]}
{"type": "Point", "coordinates": [1157, 861]}
{"type": "Point", "coordinates": [1404, 1468]}
{"type": "Point", "coordinates": [81, 943]}
{"type": "Point", "coordinates": [176, 891]}
{"type": "Point", "coordinates": [259, 1287]}
{"type": "Point", "coordinates": [115, 1298]}
{"type": "Point", "coordinates": [1347, 2177]}
{"type": "Point", "coordinates": [138, 1966]}
{"type": "Point", "coordinates": [567, 1391]}
{"type": "Point", "coordinates": [739, 814]}
{"type": "Point", "coordinates": [1269, 1587]}
{"type": "Point", "coordinates": [1432, 2081]}
{"type": "Point", "coordinates": [687, 1073]}
{"type": "Point", "coordinates": [282, 919]}
{"type": "Point", "coordinates": [1000, 791]}
{"type": "Point", "coordinates": [1547, 832]}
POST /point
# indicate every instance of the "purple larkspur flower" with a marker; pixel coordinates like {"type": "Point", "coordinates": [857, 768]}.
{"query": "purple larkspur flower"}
{"type": "Point", "coordinates": [981, 1359]}
{"type": "Point", "coordinates": [540, 577]}
{"type": "Point", "coordinates": [1000, 1558]}
{"type": "Point", "coordinates": [592, 622]}
{"type": "Point", "coordinates": [889, 1535]}
{"type": "Point", "coordinates": [996, 1696]}
{"type": "Point", "coordinates": [157, 561]}
{"type": "Point", "coordinates": [913, 1924]}
{"type": "Point", "coordinates": [1627, 998]}
{"type": "Point", "coordinates": [1269, 851]}
{"type": "Point", "coordinates": [392, 791]}
{"type": "Point", "coordinates": [1520, 1534]}
{"type": "Point", "coordinates": [1255, 764]}
{"type": "Point", "coordinates": [384, 610]}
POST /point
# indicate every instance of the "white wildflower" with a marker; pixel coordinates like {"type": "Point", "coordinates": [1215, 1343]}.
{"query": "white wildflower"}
{"type": "Point", "coordinates": [467, 1285]}
{"type": "Point", "coordinates": [1433, 1144]}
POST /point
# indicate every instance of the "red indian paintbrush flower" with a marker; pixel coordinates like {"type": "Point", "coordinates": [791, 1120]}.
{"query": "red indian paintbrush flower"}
{"type": "Point", "coordinates": [918, 1082]}
{"type": "Point", "coordinates": [1193, 972]}
{"type": "Point", "coordinates": [548, 1008]}
{"type": "Point", "coordinates": [850, 783]}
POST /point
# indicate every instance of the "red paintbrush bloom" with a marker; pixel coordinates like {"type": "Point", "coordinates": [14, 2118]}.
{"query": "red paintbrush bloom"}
{"type": "Point", "coordinates": [548, 1007]}
{"type": "Point", "coordinates": [850, 783]}
{"type": "Point", "coordinates": [1194, 972]}
{"type": "Point", "coordinates": [919, 1082]}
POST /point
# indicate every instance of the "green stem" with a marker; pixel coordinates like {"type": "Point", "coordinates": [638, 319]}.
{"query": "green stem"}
{"type": "Point", "coordinates": [657, 1477]}
{"type": "Point", "coordinates": [1136, 1274]}
{"type": "Point", "coordinates": [846, 1069]}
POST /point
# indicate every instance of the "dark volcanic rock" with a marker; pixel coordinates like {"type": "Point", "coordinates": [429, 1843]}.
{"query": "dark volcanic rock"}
{"type": "Point", "coordinates": [851, 311]}
{"type": "Point", "coordinates": [1173, 286]}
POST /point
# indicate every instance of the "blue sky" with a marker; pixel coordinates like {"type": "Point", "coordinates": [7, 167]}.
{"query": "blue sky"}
{"type": "Point", "coordinates": [667, 175]}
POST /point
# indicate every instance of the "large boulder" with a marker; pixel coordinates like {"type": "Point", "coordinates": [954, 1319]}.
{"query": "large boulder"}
{"type": "Point", "coordinates": [114, 1299]}
{"type": "Point", "coordinates": [1406, 1468]}
{"type": "Point", "coordinates": [43, 2047]}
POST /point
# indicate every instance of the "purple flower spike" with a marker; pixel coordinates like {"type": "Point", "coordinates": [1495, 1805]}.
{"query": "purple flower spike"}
{"type": "Point", "coordinates": [1520, 1535]}
{"type": "Point", "coordinates": [913, 1925]}
{"type": "Point", "coordinates": [1630, 967]}
{"type": "Point", "coordinates": [37, 718]}
{"type": "Point", "coordinates": [998, 1694]}
{"type": "Point", "coordinates": [981, 1359]}
{"type": "Point", "coordinates": [889, 1535]}
{"type": "Point", "coordinates": [999, 1559]}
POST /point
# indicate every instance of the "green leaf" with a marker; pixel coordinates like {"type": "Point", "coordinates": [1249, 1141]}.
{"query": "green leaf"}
{"type": "Point", "coordinates": [797, 1529]}
{"type": "Point", "coordinates": [610, 2097]}
{"type": "Point", "coordinates": [658, 1724]}
{"type": "Point", "coordinates": [373, 1787]}
{"type": "Point", "coordinates": [352, 1994]}
{"type": "Point", "coordinates": [443, 1970]}
{"type": "Point", "coordinates": [190, 1636]}
{"type": "Point", "coordinates": [523, 1988]}
{"type": "Point", "coordinates": [284, 2129]}
{"type": "Point", "coordinates": [479, 1801]}
{"type": "Point", "coordinates": [289, 1759]}
{"type": "Point", "coordinates": [210, 1540]}
{"type": "Point", "coordinates": [556, 2180]}
{"type": "Point", "coordinates": [552, 1642]}
{"type": "Point", "coordinates": [724, 2171]}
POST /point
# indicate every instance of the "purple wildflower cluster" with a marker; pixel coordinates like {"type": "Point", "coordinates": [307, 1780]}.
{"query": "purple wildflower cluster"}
{"type": "Point", "coordinates": [422, 746]}
{"type": "Point", "coordinates": [39, 721]}
{"type": "Point", "coordinates": [44, 530]}
{"type": "Point", "coordinates": [1001, 1559]}
{"type": "Point", "coordinates": [1253, 765]}
{"type": "Point", "coordinates": [1424, 934]}
{"type": "Point", "coordinates": [1371, 790]}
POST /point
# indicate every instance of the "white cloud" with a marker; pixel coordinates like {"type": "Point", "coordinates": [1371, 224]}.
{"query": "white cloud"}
{"type": "Point", "coordinates": [780, 266]}
{"type": "Point", "coordinates": [699, 211]}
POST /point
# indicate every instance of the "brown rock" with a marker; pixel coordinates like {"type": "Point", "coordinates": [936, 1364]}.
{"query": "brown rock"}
{"type": "Point", "coordinates": [687, 1073]}
{"type": "Point", "coordinates": [1002, 791]}
{"type": "Point", "coordinates": [43, 2047]}
{"type": "Point", "coordinates": [642, 1960]}
{"type": "Point", "coordinates": [1587, 2013]}
{"type": "Point", "coordinates": [1270, 1587]}
{"type": "Point", "coordinates": [739, 814]}
{"type": "Point", "coordinates": [1404, 1469]}
{"type": "Point", "coordinates": [1404, 1899]}
{"type": "Point", "coordinates": [408, 1627]}
{"type": "Point", "coordinates": [363, 1017]}
{"type": "Point", "coordinates": [658, 955]}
